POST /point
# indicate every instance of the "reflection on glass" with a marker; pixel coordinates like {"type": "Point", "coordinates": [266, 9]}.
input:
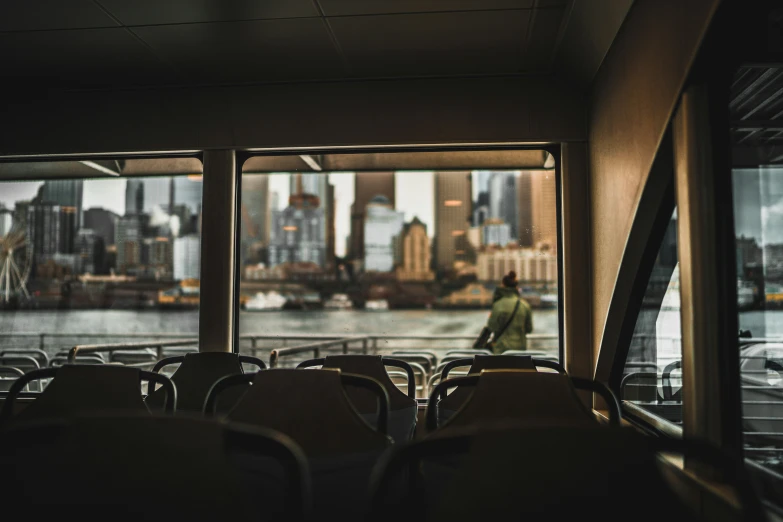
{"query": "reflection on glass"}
{"type": "Point", "coordinates": [652, 374]}
{"type": "Point", "coordinates": [427, 249]}
{"type": "Point", "coordinates": [757, 175]}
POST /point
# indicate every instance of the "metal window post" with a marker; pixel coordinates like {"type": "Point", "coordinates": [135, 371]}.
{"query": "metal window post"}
{"type": "Point", "coordinates": [218, 264]}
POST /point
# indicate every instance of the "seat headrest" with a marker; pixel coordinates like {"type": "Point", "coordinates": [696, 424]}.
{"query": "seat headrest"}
{"type": "Point", "coordinates": [311, 407]}
{"type": "Point", "coordinates": [79, 389]}
{"type": "Point", "coordinates": [370, 366]}
{"type": "Point", "coordinates": [456, 399]}
{"type": "Point", "coordinates": [529, 397]}
{"type": "Point", "coordinates": [194, 378]}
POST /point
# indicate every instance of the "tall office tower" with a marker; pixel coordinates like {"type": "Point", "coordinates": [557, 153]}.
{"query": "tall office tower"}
{"type": "Point", "coordinates": [367, 185]}
{"type": "Point", "coordinates": [525, 209]}
{"type": "Point", "coordinates": [544, 209]}
{"type": "Point", "coordinates": [6, 220]}
{"type": "Point", "coordinates": [134, 197]}
{"type": "Point", "coordinates": [316, 184]}
{"type": "Point", "coordinates": [256, 216]}
{"type": "Point", "coordinates": [297, 233]}
{"type": "Point", "coordinates": [51, 229]}
{"type": "Point", "coordinates": [187, 257]}
{"type": "Point", "coordinates": [91, 251]}
{"type": "Point", "coordinates": [413, 254]}
{"type": "Point", "coordinates": [128, 242]}
{"type": "Point", "coordinates": [187, 190]}
{"type": "Point", "coordinates": [157, 193]}
{"type": "Point", "coordinates": [452, 216]}
{"type": "Point", "coordinates": [382, 224]}
{"type": "Point", "coordinates": [482, 178]}
{"type": "Point", "coordinates": [330, 226]}
{"type": "Point", "coordinates": [102, 222]}
{"type": "Point", "coordinates": [65, 193]}
{"type": "Point", "coordinates": [503, 199]}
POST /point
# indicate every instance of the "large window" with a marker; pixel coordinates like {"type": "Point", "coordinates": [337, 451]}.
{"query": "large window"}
{"type": "Point", "coordinates": [98, 252]}
{"type": "Point", "coordinates": [652, 374]}
{"type": "Point", "coordinates": [399, 259]}
{"type": "Point", "coordinates": [757, 139]}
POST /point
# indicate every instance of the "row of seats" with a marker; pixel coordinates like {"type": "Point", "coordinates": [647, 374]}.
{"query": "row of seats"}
{"type": "Point", "coordinates": [329, 421]}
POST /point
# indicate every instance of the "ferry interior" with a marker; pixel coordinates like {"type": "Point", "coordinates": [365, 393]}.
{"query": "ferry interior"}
{"type": "Point", "coordinates": [391, 260]}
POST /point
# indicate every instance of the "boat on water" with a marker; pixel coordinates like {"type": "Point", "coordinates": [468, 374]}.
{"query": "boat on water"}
{"type": "Point", "coordinates": [264, 301]}
{"type": "Point", "coordinates": [339, 302]}
{"type": "Point", "coordinates": [376, 305]}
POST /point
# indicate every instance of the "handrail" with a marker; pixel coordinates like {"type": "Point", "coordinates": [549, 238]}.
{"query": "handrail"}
{"type": "Point", "coordinates": [158, 345]}
{"type": "Point", "coordinates": [316, 348]}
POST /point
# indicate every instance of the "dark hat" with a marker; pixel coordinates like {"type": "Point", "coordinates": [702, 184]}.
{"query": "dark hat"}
{"type": "Point", "coordinates": [510, 280]}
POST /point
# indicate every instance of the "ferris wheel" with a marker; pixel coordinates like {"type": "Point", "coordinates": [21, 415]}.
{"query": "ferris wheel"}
{"type": "Point", "coordinates": [15, 258]}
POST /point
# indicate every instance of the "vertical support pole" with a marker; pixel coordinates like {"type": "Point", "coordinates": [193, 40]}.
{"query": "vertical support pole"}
{"type": "Point", "coordinates": [218, 266]}
{"type": "Point", "coordinates": [375, 346]}
{"type": "Point", "coordinates": [364, 346]}
{"type": "Point", "coordinates": [345, 348]}
{"type": "Point", "coordinates": [42, 343]}
{"type": "Point", "coordinates": [710, 372]}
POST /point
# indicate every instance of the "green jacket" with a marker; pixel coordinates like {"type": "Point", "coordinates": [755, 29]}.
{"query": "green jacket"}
{"type": "Point", "coordinates": [515, 336]}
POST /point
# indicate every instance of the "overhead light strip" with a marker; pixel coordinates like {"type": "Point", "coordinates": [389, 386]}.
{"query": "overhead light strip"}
{"type": "Point", "coordinates": [100, 168]}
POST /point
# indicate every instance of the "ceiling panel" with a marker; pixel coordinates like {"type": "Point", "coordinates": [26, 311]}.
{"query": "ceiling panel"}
{"type": "Point", "coordinates": [78, 57]}
{"type": "Point", "coordinates": [33, 15]}
{"type": "Point", "coordinates": [150, 12]}
{"type": "Point", "coordinates": [360, 7]}
{"type": "Point", "coordinates": [543, 39]}
{"type": "Point", "coordinates": [260, 50]}
{"type": "Point", "coordinates": [433, 43]}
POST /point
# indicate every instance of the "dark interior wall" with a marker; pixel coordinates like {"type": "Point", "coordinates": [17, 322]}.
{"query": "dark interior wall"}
{"type": "Point", "coordinates": [632, 99]}
{"type": "Point", "coordinates": [388, 112]}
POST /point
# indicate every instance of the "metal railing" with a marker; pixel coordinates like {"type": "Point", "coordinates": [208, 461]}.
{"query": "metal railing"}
{"type": "Point", "coordinates": [158, 346]}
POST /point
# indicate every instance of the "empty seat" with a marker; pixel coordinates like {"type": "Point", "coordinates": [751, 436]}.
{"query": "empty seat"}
{"type": "Point", "coordinates": [456, 399]}
{"type": "Point", "coordinates": [521, 396]}
{"type": "Point", "coordinates": [8, 375]}
{"type": "Point", "coordinates": [543, 473]}
{"type": "Point", "coordinates": [60, 360]}
{"type": "Point", "coordinates": [196, 375]}
{"type": "Point", "coordinates": [402, 407]}
{"type": "Point", "coordinates": [133, 468]}
{"type": "Point", "coordinates": [312, 407]}
{"type": "Point", "coordinates": [38, 355]}
{"type": "Point", "coordinates": [134, 357]}
{"type": "Point", "coordinates": [25, 363]}
{"type": "Point", "coordinates": [425, 360]}
{"type": "Point", "coordinates": [78, 389]}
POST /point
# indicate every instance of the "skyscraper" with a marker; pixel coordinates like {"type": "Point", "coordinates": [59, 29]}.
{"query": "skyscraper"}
{"type": "Point", "coordinates": [52, 229]}
{"type": "Point", "coordinates": [297, 233]}
{"type": "Point", "coordinates": [128, 242]}
{"type": "Point", "coordinates": [65, 193]}
{"type": "Point", "coordinates": [414, 258]}
{"type": "Point", "coordinates": [187, 257]}
{"type": "Point", "coordinates": [452, 216]}
{"type": "Point", "coordinates": [188, 191]}
{"type": "Point", "coordinates": [525, 209]}
{"type": "Point", "coordinates": [503, 199]}
{"type": "Point", "coordinates": [102, 222]}
{"type": "Point", "coordinates": [367, 185]}
{"type": "Point", "coordinates": [134, 197]}
{"type": "Point", "coordinates": [544, 209]}
{"type": "Point", "coordinates": [256, 215]}
{"type": "Point", "coordinates": [382, 224]}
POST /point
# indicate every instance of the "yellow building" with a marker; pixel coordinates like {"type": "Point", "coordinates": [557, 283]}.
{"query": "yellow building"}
{"type": "Point", "coordinates": [413, 253]}
{"type": "Point", "coordinates": [529, 264]}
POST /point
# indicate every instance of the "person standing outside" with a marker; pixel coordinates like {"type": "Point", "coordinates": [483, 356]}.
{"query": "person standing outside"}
{"type": "Point", "coordinates": [511, 318]}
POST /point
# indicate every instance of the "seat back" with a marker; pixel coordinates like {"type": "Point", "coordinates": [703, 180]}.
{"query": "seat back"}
{"type": "Point", "coordinates": [402, 408]}
{"type": "Point", "coordinates": [196, 375]}
{"type": "Point", "coordinates": [135, 467]}
{"type": "Point", "coordinates": [9, 374]}
{"type": "Point", "coordinates": [460, 396]}
{"type": "Point", "coordinates": [135, 357]}
{"type": "Point", "coordinates": [39, 355]}
{"type": "Point", "coordinates": [312, 408]}
{"type": "Point", "coordinates": [80, 389]}
{"type": "Point", "coordinates": [528, 397]}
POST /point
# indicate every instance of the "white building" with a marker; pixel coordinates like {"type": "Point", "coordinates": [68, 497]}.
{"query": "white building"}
{"type": "Point", "coordinates": [187, 257]}
{"type": "Point", "coordinates": [381, 225]}
{"type": "Point", "coordinates": [529, 264]}
{"type": "Point", "coordinates": [496, 232]}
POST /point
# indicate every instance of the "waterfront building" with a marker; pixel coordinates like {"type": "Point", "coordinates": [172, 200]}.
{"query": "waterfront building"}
{"type": "Point", "coordinates": [91, 252]}
{"type": "Point", "coordinates": [496, 232]}
{"type": "Point", "coordinates": [452, 217]}
{"type": "Point", "coordinates": [102, 222]}
{"type": "Point", "coordinates": [529, 264]}
{"type": "Point", "coordinates": [298, 232]}
{"type": "Point", "coordinates": [381, 225]}
{"type": "Point", "coordinates": [503, 200]}
{"type": "Point", "coordinates": [187, 257]}
{"type": "Point", "coordinates": [414, 257]}
{"type": "Point", "coordinates": [128, 242]}
{"type": "Point", "coordinates": [367, 185]}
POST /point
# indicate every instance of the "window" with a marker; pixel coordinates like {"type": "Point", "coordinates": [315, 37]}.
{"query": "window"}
{"type": "Point", "coordinates": [652, 373]}
{"type": "Point", "coordinates": [398, 259]}
{"type": "Point", "coordinates": [98, 252]}
{"type": "Point", "coordinates": [757, 178]}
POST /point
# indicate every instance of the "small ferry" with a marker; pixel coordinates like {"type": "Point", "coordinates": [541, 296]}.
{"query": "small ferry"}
{"type": "Point", "coordinates": [339, 302]}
